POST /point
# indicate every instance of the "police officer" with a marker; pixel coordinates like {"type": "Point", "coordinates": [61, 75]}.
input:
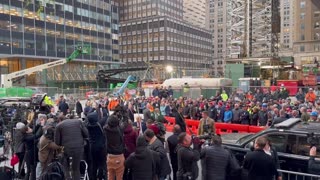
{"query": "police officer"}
{"type": "Point", "coordinates": [188, 157]}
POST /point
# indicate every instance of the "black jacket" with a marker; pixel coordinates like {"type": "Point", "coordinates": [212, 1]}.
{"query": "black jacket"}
{"type": "Point", "coordinates": [131, 114]}
{"type": "Point", "coordinates": [71, 133]}
{"type": "Point", "coordinates": [63, 107]}
{"type": "Point", "coordinates": [213, 113]}
{"type": "Point", "coordinates": [217, 163]}
{"type": "Point", "coordinates": [146, 115]}
{"type": "Point", "coordinates": [172, 145]}
{"type": "Point", "coordinates": [79, 108]}
{"type": "Point", "coordinates": [157, 146]}
{"type": "Point", "coordinates": [313, 166]}
{"type": "Point", "coordinates": [141, 164]}
{"type": "Point", "coordinates": [260, 166]}
{"type": "Point", "coordinates": [114, 136]}
{"type": "Point", "coordinates": [180, 121]}
{"type": "Point", "coordinates": [245, 117]}
{"type": "Point", "coordinates": [96, 135]}
{"type": "Point", "coordinates": [187, 162]}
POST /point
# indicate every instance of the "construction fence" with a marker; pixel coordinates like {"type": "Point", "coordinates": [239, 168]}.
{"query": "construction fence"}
{"type": "Point", "coordinates": [192, 92]}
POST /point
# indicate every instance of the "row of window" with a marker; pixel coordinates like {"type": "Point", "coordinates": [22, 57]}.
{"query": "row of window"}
{"type": "Point", "coordinates": [171, 26]}
{"type": "Point", "coordinates": [19, 12]}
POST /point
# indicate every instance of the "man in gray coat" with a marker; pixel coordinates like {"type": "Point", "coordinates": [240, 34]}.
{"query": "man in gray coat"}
{"type": "Point", "coordinates": [71, 134]}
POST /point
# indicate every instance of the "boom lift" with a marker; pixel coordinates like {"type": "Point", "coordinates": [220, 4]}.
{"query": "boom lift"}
{"type": "Point", "coordinates": [8, 78]}
{"type": "Point", "coordinates": [124, 85]}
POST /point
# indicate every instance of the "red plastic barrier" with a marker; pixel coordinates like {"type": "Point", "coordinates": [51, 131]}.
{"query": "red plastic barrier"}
{"type": "Point", "coordinates": [230, 128]}
{"type": "Point", "coordinates": [221, 128]}
{"type": "Point", "coordinates": [255, 129]}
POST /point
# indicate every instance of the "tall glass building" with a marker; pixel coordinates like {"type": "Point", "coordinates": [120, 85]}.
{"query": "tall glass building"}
{"type": "Point", "coordinates": [33, 32]}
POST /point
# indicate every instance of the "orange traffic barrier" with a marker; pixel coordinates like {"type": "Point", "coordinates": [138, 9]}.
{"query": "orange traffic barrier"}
{"type": "Point", "coordinates": [221, 128]}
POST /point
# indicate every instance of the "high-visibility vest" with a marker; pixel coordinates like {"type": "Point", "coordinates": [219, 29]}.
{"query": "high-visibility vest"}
{"type": "Point", "coordinates": [224, 97]}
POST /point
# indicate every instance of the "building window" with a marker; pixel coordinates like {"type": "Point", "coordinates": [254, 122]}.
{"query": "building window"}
{"type": "Point", "coordinates": [316, 47]}
{"type": "Point", "coordinates": [302, 4]}
{"type": "Point", "coordinates": [302, 37]}
{"type": "Point", "coordinates": [302, 26]}
{"type": "Point", "coordinates": [302, 49]}
{"type": "Point", "coordinates": [302, 15]}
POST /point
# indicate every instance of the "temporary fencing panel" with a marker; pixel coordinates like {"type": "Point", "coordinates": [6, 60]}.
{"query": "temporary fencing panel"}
{"type": "Point", "coordinates": [221, 128]}
{"type": "Point", "coordinates": [292, 175]}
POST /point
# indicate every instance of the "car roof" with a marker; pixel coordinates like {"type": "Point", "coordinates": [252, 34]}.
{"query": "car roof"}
{"type": "Point", "coordinates": [295, 124]}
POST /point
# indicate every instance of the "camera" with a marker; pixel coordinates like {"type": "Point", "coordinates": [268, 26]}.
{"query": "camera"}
{"type": "Point", "coordinates": [121, 113]}
{"type": "Point", "coordinates": [312, 140]}
{"type": "Point", "coordinates": [187, 176]}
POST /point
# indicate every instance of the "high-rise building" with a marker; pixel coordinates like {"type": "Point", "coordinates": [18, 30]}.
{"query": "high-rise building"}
{"type": "Point", "coordinates": [219, 25]}
{"type": "Point", "coordinates": [287, 27]}
{"type": "Point", "coordinates": [306, 45]}
{"type": "Point", "coordinates": [37, 32]}
{"type": "Point", "coordinates": [154, 31]}
{"type": "Point", "coordinates": [195, 12]}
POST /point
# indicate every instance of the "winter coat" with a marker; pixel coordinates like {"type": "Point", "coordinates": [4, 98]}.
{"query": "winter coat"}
{"type": "Point", "coordinates": [187, 161]}
{"type": "Point", "coordinates": [263, 118]}
{"type": "Point", "coordinates": [227, 116]}
{"type": "Point", "coordinates": [19, 146]}
{"type": "Point", "coordinates": [130, 138]}
{"type": "Point", "coordinates": [142, 156]}
{"type": "Point", "coordinates": [260, 166]}
{"type": "Point", "coordinates": [79, 108]}
{"type": "Point", "coordinates": [71, 133]}
{"type": "Point", "coordinates": [255, 119]}
{"type": "Point", "coordinates": [236, 113]}
{"type": "Point", "coordinates": [144, 163]}
{"type": "Point", "coordinates": [217, 163]}
{"type": "Point", "coordinates": [96, 135]}
{"type": "Point", "coordinates": [210, 126]}
{"type": "Point", "coordinates": [63, 107]}
{"type": "Point", "coordinates": [46, 150]}
{"type": "Point", "coordinates": [158, 147]}
{"type": "Point", "coordinates": [213, 113]}
{"type": "Point", "coordinates": [313, 166]}
{"type": "Point", "coordinates": [114, 136]}
{"type": "Point", "coordinates": [172, 145]}
{"type": "Point", "coordinates": [29, 140]}
{"type": "Point", "coordinates": [146, 115]}
{"type": "Point", "coordinates": [180, 121]}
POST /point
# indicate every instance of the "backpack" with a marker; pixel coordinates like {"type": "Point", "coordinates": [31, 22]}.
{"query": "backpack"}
{"type": "Point", "coordinates": [54, 171]}
{"type": "Point", "coordinates": [162, 128]}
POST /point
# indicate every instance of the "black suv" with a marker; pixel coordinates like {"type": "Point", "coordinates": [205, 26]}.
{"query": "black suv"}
{"type": "Point", "coordinates": [292, 139]}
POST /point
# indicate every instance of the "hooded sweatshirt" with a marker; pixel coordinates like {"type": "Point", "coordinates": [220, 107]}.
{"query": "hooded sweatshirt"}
{"type": "Point", "coordinates": [114, 136]}
{"type": "Point", "coordinates": [143, 156]}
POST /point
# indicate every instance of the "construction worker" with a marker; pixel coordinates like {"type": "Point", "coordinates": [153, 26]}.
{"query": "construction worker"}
{"type": "Point", "coordinates": [224, 96]}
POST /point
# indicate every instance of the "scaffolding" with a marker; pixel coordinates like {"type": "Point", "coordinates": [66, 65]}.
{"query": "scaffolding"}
{"type": "Point", "coordinates": [251, 28]}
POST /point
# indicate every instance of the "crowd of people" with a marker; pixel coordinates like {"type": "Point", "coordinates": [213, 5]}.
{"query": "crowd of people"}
{"type": "Point", "coordinates": [122, 145]}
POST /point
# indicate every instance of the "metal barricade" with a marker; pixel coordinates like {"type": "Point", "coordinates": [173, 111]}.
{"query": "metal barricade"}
{"type": "Point", "coordinates": [292, 175]}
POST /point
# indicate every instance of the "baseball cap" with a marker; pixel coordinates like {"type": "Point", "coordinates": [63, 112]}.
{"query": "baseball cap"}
{"type": "Point", "coordinates": [264, 105]}
{"type": "Point", "coordinates": [314, 113]}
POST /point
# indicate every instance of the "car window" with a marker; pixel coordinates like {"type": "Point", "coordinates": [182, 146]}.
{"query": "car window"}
{"type": "Point", "coordinates": [304, 147]}
{"type": "Point", "coordinates": [278, 141]}
{"type": "Point", "coordinates": [291, 145]}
